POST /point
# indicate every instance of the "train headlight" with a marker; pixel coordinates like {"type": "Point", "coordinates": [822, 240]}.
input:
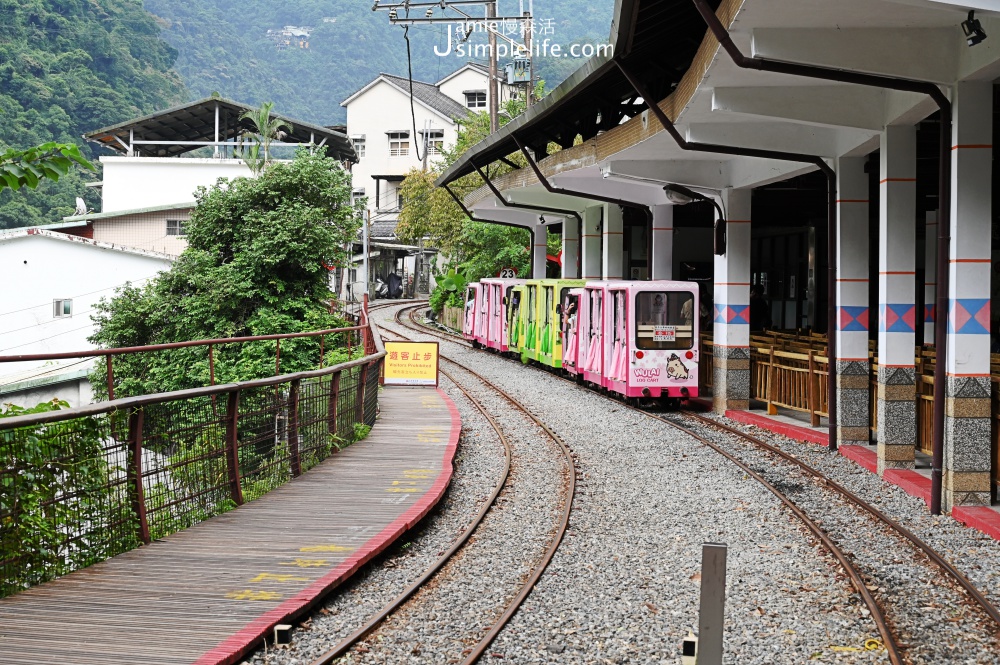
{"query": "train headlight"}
{"type": "Point", "coordinates": [689, 355]}
{"type": "Point", "coordinates": [639, 355]}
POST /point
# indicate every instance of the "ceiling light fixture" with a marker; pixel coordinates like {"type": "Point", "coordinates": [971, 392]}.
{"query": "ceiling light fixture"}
{"type": "Point", "coordinates": [973, 29]}
{"type": "Point", "coordinates": [681, 195]}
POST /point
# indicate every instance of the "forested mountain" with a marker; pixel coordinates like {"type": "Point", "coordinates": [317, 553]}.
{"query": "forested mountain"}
{"type": "Point", "coordinates": [71, 66]}
{"type": "Point", "coordinates": [67, 67]}
{"type": "Point", "coordinates": [223, 46]}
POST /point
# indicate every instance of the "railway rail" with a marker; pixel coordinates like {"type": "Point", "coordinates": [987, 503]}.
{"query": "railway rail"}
{"type": "Point", "coordinates": [534, 574]}
{"type": "Point", "coordinates": [966, 591]}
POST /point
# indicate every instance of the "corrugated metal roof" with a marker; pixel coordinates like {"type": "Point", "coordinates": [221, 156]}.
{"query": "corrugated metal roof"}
{"type": "Point", "coordinates": [195, 121]}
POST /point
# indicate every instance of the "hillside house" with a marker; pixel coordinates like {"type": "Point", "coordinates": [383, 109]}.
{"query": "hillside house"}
{"type": "Point", "coordinates": [148, 186]}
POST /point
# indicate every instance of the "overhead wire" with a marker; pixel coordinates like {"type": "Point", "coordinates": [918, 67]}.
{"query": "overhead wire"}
{"type": "Point", "coordinates": [78, 295]}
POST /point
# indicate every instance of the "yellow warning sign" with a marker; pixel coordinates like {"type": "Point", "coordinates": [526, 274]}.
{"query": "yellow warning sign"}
{"type": "Point", "coordinates": [411, 363]}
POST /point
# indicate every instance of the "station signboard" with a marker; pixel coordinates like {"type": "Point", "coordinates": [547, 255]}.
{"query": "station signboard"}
{"type": "Point", "coordinates": [411, 364]}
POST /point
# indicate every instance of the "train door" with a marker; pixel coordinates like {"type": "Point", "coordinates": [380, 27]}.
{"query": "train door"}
{"type": "Point", "coordinates": [616, 341]}
{"type": "Point", "coordinates": [547, 323]}
{"type": "Point", "coordinates": [482, 314]}
{"type": "Point", "coordinates": [469, 322]}
{"type": "Point", "coordinates": [595, 345]}
{"type": "Point", "coordinates": [515, 333]}
{"type": "Point", "coordinates": [568, 340]}
{"type": "Point", "coordinates": [529, 350]}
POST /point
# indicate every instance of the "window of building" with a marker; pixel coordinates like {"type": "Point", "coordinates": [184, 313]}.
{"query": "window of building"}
{"type": "Point", "coordinates": [435, 141]}
{"type": "Point", "coordinates": [357, 194]}
{"type": "Point", "coordinates": [359, 145]}
{"type": "Point", "coordinates": [399, 201]}
{"type": "Point", "coordinates": [63, 307]}
{"type": "Point", "coordinates": [399, 144]}
{"type": "Point", "coordinates": [475, 99]}
{"type": "Point", "coordinates": [175, 227]}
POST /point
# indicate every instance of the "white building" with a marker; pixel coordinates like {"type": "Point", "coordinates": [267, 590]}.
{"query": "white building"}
{"type": "Point", "coordinates": [381, 127]}
{"type": "Point", "coordinates": [56, 280]}
{"type": "Point", "coordinates": [148, 188]}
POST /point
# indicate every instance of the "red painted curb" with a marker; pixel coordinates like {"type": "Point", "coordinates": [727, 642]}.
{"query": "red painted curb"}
{"type": "Point", "coordinates": [239, 644]}
{"type": "Point", "coordinates": [862, 455]}
{"type": "Point", "coordinates": [984, 519]}
{"type": "Point", "coordinates": [778, 427]}
{"type": "Point", "coordinates": [911, 482]}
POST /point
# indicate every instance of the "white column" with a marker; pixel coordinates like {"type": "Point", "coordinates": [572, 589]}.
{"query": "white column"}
{"type": "Point", "coordinates": [731, 347]}
{"type": "Point", "coordinates": [897, 416]}
{"type": "Point", "coordinates": [612, 235]}
{"type": "Point", "coordinates": [570, 248]}
{"type": "Point", "coordinates": [591, 241]}
{"type": "Point", "coordinates": [967, 413]}
{"type": "Point", "coordinates": [539, 249]}
{"type": "Point", "coordinates": [853, 367]}
{"type": "Point", "coordinates": [663, 242]}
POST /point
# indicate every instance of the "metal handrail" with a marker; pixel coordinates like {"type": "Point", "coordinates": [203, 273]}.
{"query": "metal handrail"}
{"type": "Point", "coordinates": [93, 353]}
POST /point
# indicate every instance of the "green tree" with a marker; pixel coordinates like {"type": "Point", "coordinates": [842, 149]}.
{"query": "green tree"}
{"type": "Point", "coordinates": [49, 161]}
{"type": "Point", "coordinates": [265, 129]}
{"type": "Point", "coordinates": [255, 265]}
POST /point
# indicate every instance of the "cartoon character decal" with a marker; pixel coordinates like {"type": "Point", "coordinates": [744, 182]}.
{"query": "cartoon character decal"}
{"type": "Point", "coordinates": [676, 370]}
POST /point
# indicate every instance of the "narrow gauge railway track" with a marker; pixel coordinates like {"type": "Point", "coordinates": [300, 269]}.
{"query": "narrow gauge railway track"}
{"type": "Point", "coordinates": [885, 627]}
{"type": "Point", "coordinates": [473, 655]}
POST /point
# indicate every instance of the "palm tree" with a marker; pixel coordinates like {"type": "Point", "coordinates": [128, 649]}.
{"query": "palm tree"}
{"type": "Point", "coordinates": [264, 129]}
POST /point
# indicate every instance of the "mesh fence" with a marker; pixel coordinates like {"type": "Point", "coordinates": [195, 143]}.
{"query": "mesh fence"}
{"type": "Point", "coordinates": [75, 490]}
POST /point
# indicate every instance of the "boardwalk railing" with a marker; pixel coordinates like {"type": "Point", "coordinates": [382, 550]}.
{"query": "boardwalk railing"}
{"type": "Point", "coordinates": [78, 486]}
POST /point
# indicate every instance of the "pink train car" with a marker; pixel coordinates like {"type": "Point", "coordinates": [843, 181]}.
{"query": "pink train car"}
{"type": "Point", "coordinates": [572, 303]}
{"type": "Point", "coordinates": [496, 294]}
{"type": "Point", "coordinates": [650, 339]}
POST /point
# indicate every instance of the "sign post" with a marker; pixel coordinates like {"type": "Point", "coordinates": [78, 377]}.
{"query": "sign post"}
{"type": "Point", "coordinates": [411, 364]}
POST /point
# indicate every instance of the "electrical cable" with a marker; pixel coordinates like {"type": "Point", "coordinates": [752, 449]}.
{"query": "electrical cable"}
{"type": "Point", "coordinates": [35, 341]}
{"type": "Point", "coordinates": [78, 295]}
{"type": "Point", "coordinates": [409, 71]}
{"type": "Point", "coordinates": [45, 323]}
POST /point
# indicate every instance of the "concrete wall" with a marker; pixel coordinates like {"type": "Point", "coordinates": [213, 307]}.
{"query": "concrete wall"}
{"type": "Point", "coordinates": [143, 182]}
{"type": "Point", "coordinates": [76, 392]}
{"type": "Point", "coordinates": [146, 231]}
{"type": "Point", "coordinates": [470, 79]}
{"type": "Point", "coordinates": [37, 269]}
{"type": "Point", "coordinates": [381, 109]}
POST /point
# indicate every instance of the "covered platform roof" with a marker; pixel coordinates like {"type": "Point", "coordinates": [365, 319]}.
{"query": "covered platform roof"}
{"type": "Point", "coordinates": [656, 39]}
{"type": "Point", "coordinates": [192, 125]}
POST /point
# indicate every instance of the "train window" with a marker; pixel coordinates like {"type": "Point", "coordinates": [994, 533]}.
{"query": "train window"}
{"type": "Point", "coordinates": [548, 305]}
{"type": "Point", "coordinates": [595, 314]}
{"type": "Point", "coordinates": [569, 306]}
{"type": "Point", "coordinates": [618, 317]}
{"type": "Point", "coordinates": [664, 320]}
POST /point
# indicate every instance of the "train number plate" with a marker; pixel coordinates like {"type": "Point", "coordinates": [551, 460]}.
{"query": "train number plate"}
{"type": "Point", "coordinates": [665, 333]}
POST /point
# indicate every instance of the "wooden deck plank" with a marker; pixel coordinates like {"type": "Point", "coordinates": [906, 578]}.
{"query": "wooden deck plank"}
{"type": "Point", "coordinates": [206, 594]}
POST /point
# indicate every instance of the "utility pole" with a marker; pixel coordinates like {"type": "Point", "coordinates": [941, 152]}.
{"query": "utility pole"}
{"type": "Point", "coordinates": [529, 96]}
{"type": "Point", "coordinates": [364, 248]}
{"type": "Point", "coordinates": [491, 12]}
{"type": "Point", "coordinates": [426, 142]}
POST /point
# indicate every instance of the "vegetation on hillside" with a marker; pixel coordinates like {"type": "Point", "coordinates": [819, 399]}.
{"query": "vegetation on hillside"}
{"type": "Point", "coordinates": [255, 265]}
{"type": "Point", "coordinates": [223, 46]}
{"type": "Point", "coordinates": [68, 67]}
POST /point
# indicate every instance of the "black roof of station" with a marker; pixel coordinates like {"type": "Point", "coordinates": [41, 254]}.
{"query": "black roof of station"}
{"type": "Point", "coordinates": [195, 121]}
{"type": "Point", "coordinates": [656, 39]}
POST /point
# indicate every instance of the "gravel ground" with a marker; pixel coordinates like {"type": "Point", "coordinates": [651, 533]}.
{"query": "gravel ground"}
{"type": "Point", "coordinates": [478, 465]}
{"type": "Point", "coordinates": [974, 553]}
{"type": "Point", "coordinates": [623, 587]}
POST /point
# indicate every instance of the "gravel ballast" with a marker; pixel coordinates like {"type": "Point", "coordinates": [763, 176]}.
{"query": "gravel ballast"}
{"type": "Point", "coordinates": [624, 585]}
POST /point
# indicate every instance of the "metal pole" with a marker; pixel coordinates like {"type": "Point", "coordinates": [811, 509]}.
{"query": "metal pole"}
{"type": "Point", "coordinates": [364, 249]}
{"type": "Point", "coordinates": [216, 130]}
{"type": "Point", "coordinates": [491, 12]}
{"type": "Point", "coordinates": [711, 613]}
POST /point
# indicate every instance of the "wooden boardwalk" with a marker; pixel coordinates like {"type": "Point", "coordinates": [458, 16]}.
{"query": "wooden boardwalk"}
{"type": "Point", "coordinates": [207, 594]}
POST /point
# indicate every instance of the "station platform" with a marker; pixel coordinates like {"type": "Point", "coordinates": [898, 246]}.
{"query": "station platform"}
{"type": "Point", "coordinates": [208, 594]}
